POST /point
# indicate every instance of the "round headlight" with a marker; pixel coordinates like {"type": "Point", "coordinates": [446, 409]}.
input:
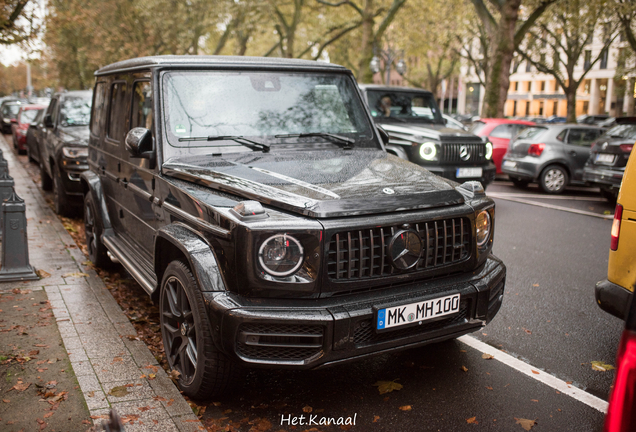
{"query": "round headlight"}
{"type": "Point", "coordinates": [428, 151]}
{"type": "Point", "coordinates": [281, 255]}
{"type": "Point", "coordinates": [488, 150]}
{"type": "Point", "coordinates": [482, 225]}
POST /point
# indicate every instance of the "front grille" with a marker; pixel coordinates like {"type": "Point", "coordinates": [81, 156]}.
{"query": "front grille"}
{"type": "Point", "coordinates": [365, 334]}
{"type": "Point", "coordinates": [363, 254]}
{"type": "Point", "coordinates": [452, 153]}
{"type": "Point", "coordinates": [279, 342]}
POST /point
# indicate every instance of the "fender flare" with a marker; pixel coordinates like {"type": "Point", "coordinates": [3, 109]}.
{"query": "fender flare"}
{"type": "Point", "coordinates": [397, 150]}
{"type": "Point", "coordinates": [92, 184]}
{"type": "Point", "coordinates": [198, 253]}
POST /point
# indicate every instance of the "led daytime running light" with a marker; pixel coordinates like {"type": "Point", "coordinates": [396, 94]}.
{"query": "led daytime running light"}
{"type": "Point", "coordinates": [428, 151]}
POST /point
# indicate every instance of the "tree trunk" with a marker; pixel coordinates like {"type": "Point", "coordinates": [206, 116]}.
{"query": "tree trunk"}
{"type": "Point", "coordinates": [499, 77]}
{"type": "Point", "coordinates": [366, 45]}
{"type": "Point", "coordinates": [570, 95]}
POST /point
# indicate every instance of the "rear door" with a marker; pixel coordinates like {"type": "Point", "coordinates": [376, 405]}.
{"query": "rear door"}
{"type": "Point", "coordinates": [577, 149]}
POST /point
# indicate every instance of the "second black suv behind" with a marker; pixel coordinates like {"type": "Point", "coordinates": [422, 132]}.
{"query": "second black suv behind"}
{"type": "Point", "coordinates": [419, 134]}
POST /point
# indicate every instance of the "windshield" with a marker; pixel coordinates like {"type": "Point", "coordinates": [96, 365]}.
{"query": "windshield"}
{"type": "Point", "coordinates": [75, 111]}
{"type": "Point", "coordinates": [260, 106]}
{"type": "Point", "coordinates": [404, 106]}
{"type": "Point", "coordinates": [10, 111]}
{"type": "Point", "coordinates": [531, 133]}
{"type": "Point", "coordinates": [28, 116]}
{"type": "Point", "coordinates": [627, 131]}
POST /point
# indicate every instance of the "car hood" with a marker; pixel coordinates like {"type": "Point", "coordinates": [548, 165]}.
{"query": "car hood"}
{"type": "Point", "coordinates": [320, 183]}
{"type": "Point", "coordinates": [428, 131]}
{"type": "Point", "coordinates": [76, 135]}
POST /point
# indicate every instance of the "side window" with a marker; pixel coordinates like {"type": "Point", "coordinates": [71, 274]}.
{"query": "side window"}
{"type": "Point", "coordinates": [99, 101]}
{"type": "Point", "coordinates": [502, 131]}
{"type": "Point", "coordinates": [142, 106]}
{"type": "Point", "coordinates": [561, 136]}
{"type": "Point", "coordinates": [52, 110]}
{"type": "Point", "coordinates": [116, 118]}
{"type": "Point", "coordinates": [590, 135]}
{"type": "Point", "coordinates": [576, 136]}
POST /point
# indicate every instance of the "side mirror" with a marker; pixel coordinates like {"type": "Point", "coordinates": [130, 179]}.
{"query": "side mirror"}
{"type": "Point", "coordinates": [383, 135]}
{"type": "Point", "coordinates": [139, 144]}
{"type": "Point", "coordinates": [48, 121]}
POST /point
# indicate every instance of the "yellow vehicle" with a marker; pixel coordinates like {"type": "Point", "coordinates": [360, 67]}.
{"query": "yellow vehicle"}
{"type": "Point", "coordinates": [614, 294]}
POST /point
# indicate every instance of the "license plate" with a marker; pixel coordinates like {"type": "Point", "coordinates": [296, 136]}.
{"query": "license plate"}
{"type": "Point", "coordinates": [468, 172]}
{"type": "Point", "coordinates": [416, 312]}
{"type": "Point", "coordinates": [509, 164]}
{"type": "Point", "coordinates": [605, 158]}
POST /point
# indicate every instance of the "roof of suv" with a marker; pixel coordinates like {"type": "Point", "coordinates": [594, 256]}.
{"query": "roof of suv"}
{"type": "Point", "coordinates": [200, 61]}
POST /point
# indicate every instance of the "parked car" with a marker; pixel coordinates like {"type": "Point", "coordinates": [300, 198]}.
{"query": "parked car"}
{"type": "Point", "coordinates": [64, 148]}
{"type": "Point", "coordinates": [610, 122]}
{"type": "Point", "coordinates": [418, 133]}
{"type": "Point", "coordinates": [26, 115]}
{"type": "Point", "coordinates": [253, 199]}
{"type": "Point", "coordinates": [591, 119]}
{"type": "Point", "coordinates": [552, 155]}
{"type": "Point", "coordinates": [555, 119]}
{"type": "Point", "coordinates": [34, 135]}
{"type": "Point", "coordinates": [608, 158]}
{"type": "Point", "coordinates": [615, 296]}
{"type": "Point", "coordinates": [9, 111]}
{"type": "Point", "coordinates": [453, 123]}
{"type": "Point", "coordinates": [499, 132]}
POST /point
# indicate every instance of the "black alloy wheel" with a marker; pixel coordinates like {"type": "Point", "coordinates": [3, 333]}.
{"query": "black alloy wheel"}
{"type": "Point", "coordinates": [187, 337]}
{"type": "Point", "coordinates": [553, 179]}
{"type": "Point", "coordinates": [46, 182]}
{"type": "Point", "coordinates": [93, 230]}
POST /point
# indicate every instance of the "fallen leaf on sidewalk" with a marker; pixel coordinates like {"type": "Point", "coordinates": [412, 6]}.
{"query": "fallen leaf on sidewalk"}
{"type": "Point", "coordinates": [406, 408]}
{"type": "Point", "coordinates": [464, 368]}
{"type": "Point", "coordinates": [487, 356]}
{"type": "Point", "coordinates": [75, 274]}
{"type": "Point", "coordinates": [525, 423]}
{"type": "Point", "coordinates": [48, 414]}
{"type": "Point", "coordinates": [375, 419]}
{"type": "Point", "coordinates": [174, 375]}
{"type": "Point", "coordinates": [472, 420]}
{"type": "Point", "coordinates": [600, 366]}
{"type": "Point", "coordinates": [307, 409]}
{"type": "Point", "coordinates": [42, 273]}
{"type": "Point", "coordinates": [388, 386]}
{"type": "Point", "coordinates": [6, 400]}
{"type": "Point", "coordinates": [20, 386]}
{"type": "Point", "coordinates": [119, 391]}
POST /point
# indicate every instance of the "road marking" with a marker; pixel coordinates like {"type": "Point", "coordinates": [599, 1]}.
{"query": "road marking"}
{"type": "Point", "coordinates": [539, 375]}
{"type": "Point", "coordinates": [547, 197]}
{"type": "Point", "coordinates": [550, 206]}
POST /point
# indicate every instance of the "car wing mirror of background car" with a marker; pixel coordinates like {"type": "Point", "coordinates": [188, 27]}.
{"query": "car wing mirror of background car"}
{"type": "Point", "coordinates": [140, 145]}
{"type": "Point", "coordinates": [48, 120]}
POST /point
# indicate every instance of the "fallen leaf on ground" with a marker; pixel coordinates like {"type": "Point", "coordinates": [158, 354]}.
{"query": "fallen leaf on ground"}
{"type": "Point", "coordinates": [472, 420]}
{"type": "Point", "coordinates": [387, 386]}
{"type": "Point", "coordinates": [174, 375]}
{"type": "Point", "coordinates": [535, 372]}
{"type": "Point", "coordinates": [525, 423]}
{"type": "Point", "coordinates": [526, 330]}
{"type": "Point", "coordinates": [6, 400]}
{"type": "Point", "coordinates": [48, 414]}
{"type": "Point", "coordinates": [42, 274]}
{"type": "Point", "coordinates": [375, 419]}
{"type": "Point", "coordinates": [21, 386]}
{"type": "Point", "coordinates": [307, 409]}
{"type": "Point", "coordinates": [464, 368]}
{"type": "Point", "coordinates": [75, 274]}
{"type": "Point", "coordinates": [405, 408]}
{"type": "Point", "coordinates": [119, 391]}
{"type": "Point", "coordinates": [487, 356]}
{"type": "Point", "coordinates": [600, 366]}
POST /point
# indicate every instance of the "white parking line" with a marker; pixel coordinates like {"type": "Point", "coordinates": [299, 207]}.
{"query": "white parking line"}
{"type": "Point", "coordinates": [544, 377]}
{"type": "Point", "coordinates": [550, 206]}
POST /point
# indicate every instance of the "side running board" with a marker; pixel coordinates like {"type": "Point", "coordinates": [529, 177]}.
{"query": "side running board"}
{"type": "Point", "coordinates": [115, 247]}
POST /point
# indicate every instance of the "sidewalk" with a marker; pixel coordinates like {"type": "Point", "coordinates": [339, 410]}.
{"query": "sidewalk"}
{"type": "Point", "coordinates": [112, 370]}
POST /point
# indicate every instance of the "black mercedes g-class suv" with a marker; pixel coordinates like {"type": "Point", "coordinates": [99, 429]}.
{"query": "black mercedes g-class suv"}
{"type": "Point", "coordinates": [253, 198]}
{"type": "Point", "coordinates": [418, 133]}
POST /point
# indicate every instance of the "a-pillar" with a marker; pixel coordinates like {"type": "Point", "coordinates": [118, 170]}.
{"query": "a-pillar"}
{"type": "Point", "coordinates": [593, 106]}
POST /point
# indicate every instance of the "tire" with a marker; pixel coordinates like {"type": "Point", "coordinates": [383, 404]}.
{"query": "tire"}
{"type": "Point", "coordinates": [553, 179]}
{"type": "Point", "coordinates": [204, 371]}
{"type": "Point", "coordinates": [609, 195]}
{"type": "Point", "coordinates": [93, 230]}
{"type": "Point", "coordinates": [60, 200]}
{"type": "Point", "coordinates": [519, 183]}
{"type": "Point", "coordinates": [45, 179]}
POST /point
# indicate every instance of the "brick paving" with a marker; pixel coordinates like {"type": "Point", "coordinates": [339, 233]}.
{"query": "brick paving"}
{"type": "Point", "coordinates": [93, 327]}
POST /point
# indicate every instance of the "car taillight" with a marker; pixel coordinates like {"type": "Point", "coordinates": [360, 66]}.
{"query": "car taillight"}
{"type": "Point", "coordinates": [621, 404]}
{"type": "Point", "coordinates": [536, 149]}
{"type": "Point", "coordinates": [626, 148]}
{"type": "Point", "coordinates": [616, 226]}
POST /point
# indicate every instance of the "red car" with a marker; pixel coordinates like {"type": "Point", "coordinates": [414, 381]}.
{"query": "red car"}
{"type": "Point", "coordinates": [20, 126]}
{"type": "Point", "coordinates": [499, 132]}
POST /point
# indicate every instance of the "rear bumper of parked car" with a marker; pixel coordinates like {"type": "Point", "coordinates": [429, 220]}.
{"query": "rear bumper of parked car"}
{"type": "Point", "coordinates": [613, 298]}
{"type": "Point", "coordinates": [525, 168]}
{"type": "Point", "coordinates": [450, 172]}
{"type": "Point", "coordinates": [307, 334]}
{"type": "Point", "coordinates": [603, 176]}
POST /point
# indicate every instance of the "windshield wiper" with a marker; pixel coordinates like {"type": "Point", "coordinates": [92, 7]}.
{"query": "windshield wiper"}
{"type": "Point", "coordinates": [342, 141]}
{"type": "Point", "coordinates": [236, 138]}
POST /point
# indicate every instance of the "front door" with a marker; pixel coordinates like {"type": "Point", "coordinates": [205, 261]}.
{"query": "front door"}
{"type": "Point", "coordinates": [577, 149]}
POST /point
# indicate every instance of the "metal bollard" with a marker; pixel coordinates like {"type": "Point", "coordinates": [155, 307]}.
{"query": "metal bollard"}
{"type": "Point", "coordinates": [6, 189]}
{"type": "Point", "coordinates": [4, 165]}
{"type": "Point", "coordinates": [15, 246]}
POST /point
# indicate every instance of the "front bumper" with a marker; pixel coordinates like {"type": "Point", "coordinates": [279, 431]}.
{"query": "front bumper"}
{"type": "Point", "coordinates": [70, 170]}
{"type": "Point", "coordinates": [307, 334]}
{"type": "Point", "coordinates": [450, 172]}
{"type": "Point", "coordinates": [612, 298]}
{"type": "Point", "coordinates": [606, 177]}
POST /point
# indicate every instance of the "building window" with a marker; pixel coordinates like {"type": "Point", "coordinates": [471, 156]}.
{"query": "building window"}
{"type": "Point", "coordinates": [541, 108]}
{"type": "Point", "coordinates": [516, 85]}
{"type": "Point", "coordinates": [528, 66]}
{"type": "Point", "coordinates": [604, 56]}
{"type": "Point", "coordinates": [555, 108]}
{"type": "Point", "coordinates": [527, 107]}
{"type": "Point", "coordinates": [542, 86]}
{"type": "Point", "coordinates": [588, 59]}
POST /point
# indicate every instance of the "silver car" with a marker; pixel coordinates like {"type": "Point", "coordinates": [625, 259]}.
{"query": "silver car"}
{"type": "Point", "coordinates": [551, 155]}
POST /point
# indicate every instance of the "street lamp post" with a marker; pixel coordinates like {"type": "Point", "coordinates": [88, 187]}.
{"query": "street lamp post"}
{"type": "Point", "coordinates": [387, 57]}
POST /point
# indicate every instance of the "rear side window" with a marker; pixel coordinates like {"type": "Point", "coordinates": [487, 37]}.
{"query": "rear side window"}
{"type": "Point", "coordinates": [99, 111]}
{"type": "Point", "coordinates": [142, 106]}
{"type": "Point", "coordinates": [116, 116]}
{"type": "Point", "coordinates": [532, 132]}
{"type": "Point", "coordinates": [502, 131]}
{"type": "Point", "coordinates": [582, 137]}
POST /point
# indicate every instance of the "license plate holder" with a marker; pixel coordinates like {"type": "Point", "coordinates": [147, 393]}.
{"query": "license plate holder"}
{"type": "Point", "coordinates": [468, 172]}
{"type": "Point", "coordinates": [394, 317]}
{"type": "Point", "coordinates": [605, 158]}
{"type": "Point", "coordinates": [509, 164]}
